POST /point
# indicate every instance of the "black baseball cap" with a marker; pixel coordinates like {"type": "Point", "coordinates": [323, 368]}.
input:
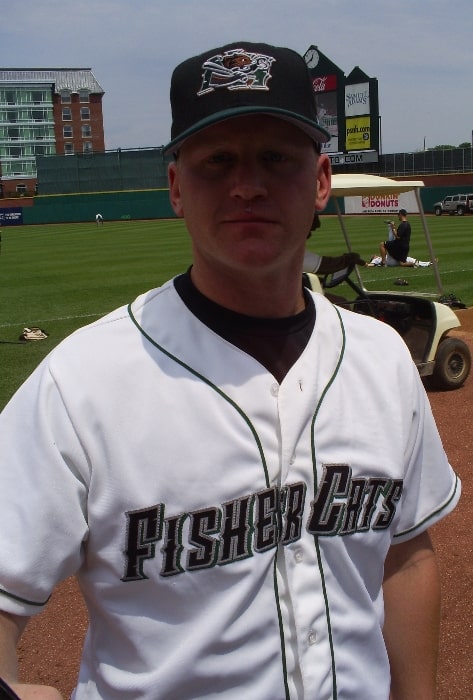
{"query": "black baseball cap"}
{"type": "Point", "coordinates": [240, 79]}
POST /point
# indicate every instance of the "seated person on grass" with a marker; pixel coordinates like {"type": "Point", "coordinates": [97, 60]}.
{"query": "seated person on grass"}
{"type": "Point", "coordinates": [399, 240]}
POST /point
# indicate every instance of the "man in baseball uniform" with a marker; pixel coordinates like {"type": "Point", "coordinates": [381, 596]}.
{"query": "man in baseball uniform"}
{"type": "Point", "coordinates": [246, 512]}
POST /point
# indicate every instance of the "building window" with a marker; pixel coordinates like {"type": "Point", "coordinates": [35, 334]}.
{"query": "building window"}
{"type": "Point", "coordinates": [86, 131]}
{"type": "Point", "coordinates": [38, 115]}
{"type": "Point", "coordinates": [84, 113]}
{"type": "Point", "coordinates": [65, 98]}
{"type": "Point", "coordinates": [21, 188]}
{"type": "Point", "coordinates": [69, 149]}
{"type": "Point", "coordinates": [67, 132]}
{"type": "Point", "coordinates": [15, 152]}
{"type": "Point", "coordinates": [83, 96]}
{"type": "Point", "coordinates": [11, 97]}
{"type": "Point", "coordinates": [37, 97]}
{"type": "Point", "coordinates": [87, 147]}
{"type": "Point", "coordinates": [66, 114]}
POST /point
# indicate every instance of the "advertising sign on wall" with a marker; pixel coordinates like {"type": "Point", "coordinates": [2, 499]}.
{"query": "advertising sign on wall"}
{"type": "Point", "coordinates": [325, 88]}
{"type": "Point", "coordinates": [358, 133]}
{"type": "Point", "coordinates": [353, 158]}
{"type": "Point", "coordinates": [11, 217]}
{"type": "Point", "coordinates": [357, 99]}
{"type": "Point", "coordinates": [382, 204]}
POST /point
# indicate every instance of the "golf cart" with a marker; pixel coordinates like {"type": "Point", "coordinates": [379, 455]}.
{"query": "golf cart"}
{"type": "Point", "coordinates": [421, 320]}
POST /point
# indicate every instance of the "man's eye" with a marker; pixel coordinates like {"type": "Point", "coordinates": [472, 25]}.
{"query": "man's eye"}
{"type": "Point", "coordinates": [219, 158]}
{"type": "Point", "coordinates": [274, 157]}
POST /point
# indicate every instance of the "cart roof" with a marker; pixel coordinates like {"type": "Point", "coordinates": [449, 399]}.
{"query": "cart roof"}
{"type": "Point", "coordinates": [357, 184]}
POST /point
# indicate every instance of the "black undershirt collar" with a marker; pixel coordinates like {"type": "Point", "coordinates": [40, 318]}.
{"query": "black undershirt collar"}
{"type": "Point", "coordinates": [276, 343]}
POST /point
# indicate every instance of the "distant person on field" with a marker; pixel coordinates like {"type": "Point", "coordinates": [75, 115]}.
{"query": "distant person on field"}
{"type": "Point", "coordinates": [398, 246]}
{"type": "Point", "coordinates": [99, 219]}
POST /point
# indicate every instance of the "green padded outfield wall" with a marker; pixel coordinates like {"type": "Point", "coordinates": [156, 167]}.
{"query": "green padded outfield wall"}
{"type": "Point", "coordinates": [118, 184]}
{"type": "Point", "coordinates": [114, 206]}
{"type": "Point", "coordinates": [147, 204]}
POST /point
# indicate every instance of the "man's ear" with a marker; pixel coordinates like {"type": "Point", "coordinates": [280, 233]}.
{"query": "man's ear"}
{"type": "Point", "coordinates": [324, 179]}
{"type": "Point", "coordinates": [174, 189]}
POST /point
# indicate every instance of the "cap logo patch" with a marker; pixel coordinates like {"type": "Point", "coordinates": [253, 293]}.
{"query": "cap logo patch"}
{"type": "Point", "coordinates": [236, 69]}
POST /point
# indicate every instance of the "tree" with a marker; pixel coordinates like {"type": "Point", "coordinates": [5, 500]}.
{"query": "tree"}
{"type": "Point", "coordinates": [448, 147]}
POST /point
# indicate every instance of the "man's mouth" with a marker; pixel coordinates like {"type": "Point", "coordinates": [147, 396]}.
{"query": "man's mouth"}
{"type": "Point", "coordinates": [250, 217]}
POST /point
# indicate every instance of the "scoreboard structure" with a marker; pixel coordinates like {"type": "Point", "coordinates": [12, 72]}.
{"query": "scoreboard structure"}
{"type": "Point", "coordinates": [348, 107]}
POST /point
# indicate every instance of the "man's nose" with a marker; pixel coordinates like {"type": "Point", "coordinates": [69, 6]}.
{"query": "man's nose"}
{"type": "Point", "coordinates": [248, 181]}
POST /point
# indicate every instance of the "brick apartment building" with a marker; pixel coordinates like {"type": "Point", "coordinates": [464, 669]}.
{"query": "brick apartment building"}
{"type": "Point", "coordinates": [45, 111]}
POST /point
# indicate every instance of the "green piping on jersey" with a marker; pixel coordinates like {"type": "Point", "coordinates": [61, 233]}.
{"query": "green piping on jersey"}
{"type": "Point", "coordinates": [281, 628]}
{"type": "Point", "coordinates": [212, 386]}
{"type": "Point", "coordinates": [316, 539]}
{"type": "Point", "coordinates": [431, 515]}
{"type": "Point", "coordinates": [23, 600]}
{"type": "Point", "coordinates": [263, 461]}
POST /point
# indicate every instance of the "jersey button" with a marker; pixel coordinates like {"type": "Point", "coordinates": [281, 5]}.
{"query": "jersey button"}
{"type": "Point", "coordinates": [312, 638]}
{"type": "Point", "coordinates": [274, 389]}
{"type": "Point", "coordinates": [298, 556]}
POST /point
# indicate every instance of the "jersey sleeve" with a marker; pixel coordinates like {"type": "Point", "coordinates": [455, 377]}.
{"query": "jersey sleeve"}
{"type": "Point", "coordinates": [43, 482]}
{"type": "Point", "coordinates": [431, 487]}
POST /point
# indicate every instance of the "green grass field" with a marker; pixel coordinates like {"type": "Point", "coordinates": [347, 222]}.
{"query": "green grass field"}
{"type": "Point", "coordinates": [61, 277]}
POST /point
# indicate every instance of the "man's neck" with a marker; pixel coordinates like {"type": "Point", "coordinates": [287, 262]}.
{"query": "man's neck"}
{"type": "Point", "coordinates": [258, 295]}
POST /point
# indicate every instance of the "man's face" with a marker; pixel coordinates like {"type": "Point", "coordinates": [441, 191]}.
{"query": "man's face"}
{"type": "Point", "coordinates": [247, 189]}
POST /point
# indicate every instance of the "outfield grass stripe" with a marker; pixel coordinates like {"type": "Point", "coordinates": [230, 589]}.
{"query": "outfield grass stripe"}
{"type": "Point", "coordinates": [16, 324]}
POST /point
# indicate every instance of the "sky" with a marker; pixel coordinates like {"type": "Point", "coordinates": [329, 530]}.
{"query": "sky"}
{"type": "Point", "coordinates": [419, 50]}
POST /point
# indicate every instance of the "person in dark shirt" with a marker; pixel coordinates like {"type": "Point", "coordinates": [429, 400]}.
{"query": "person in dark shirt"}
{"type": "Point", "coordinates": [398, 246]}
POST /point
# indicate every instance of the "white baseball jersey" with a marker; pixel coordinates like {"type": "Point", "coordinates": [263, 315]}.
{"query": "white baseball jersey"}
{"type": "Point", "coordinates": [228, 532]}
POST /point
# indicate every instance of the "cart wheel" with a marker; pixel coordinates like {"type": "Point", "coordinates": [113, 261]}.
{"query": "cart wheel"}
{"type": "Point", "coordinates": [452, 364]}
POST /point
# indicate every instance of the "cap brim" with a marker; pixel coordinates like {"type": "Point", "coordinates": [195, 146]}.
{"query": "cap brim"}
{"type": "Point", "coordinates": [313, 130]}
